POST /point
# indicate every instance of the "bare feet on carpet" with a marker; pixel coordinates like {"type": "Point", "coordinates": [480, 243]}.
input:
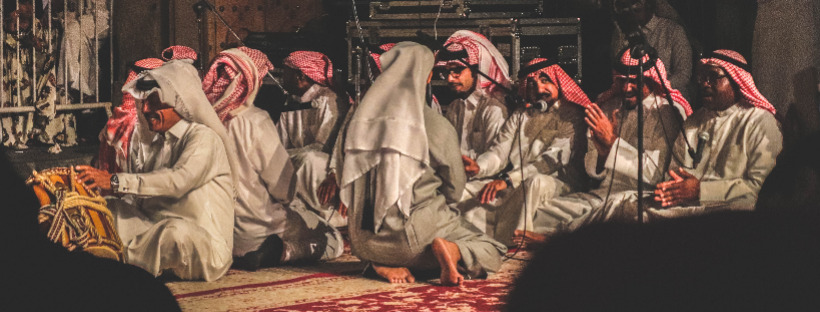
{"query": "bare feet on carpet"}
{"type": "Point", "coordinates": [395, 275]}
{"type": "Point", "coordinates": [448, 255]}
{"type": "Point", "coordinates": [527, 239]}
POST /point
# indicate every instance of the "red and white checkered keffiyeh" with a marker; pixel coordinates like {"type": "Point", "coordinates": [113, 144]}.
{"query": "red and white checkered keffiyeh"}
{"type": "Point", "coordinates": [377, 56]}
{"type": "Point", "coordinates": [741, 77]}
{"type": "Point", "coordinates": [116, 136]}
{"type": "Point", "coordinates": [178, 52]}
{"type": "Point", "coordinates": [315, 65]}
{"type": "Point", "coordinates": [480, 52]}
{"type": "Point", "coordinates": [234, 79]}
{"type": "Point", "coordinates": [651, 73]}
{"type": "Point", "coordinates": [570, 91]}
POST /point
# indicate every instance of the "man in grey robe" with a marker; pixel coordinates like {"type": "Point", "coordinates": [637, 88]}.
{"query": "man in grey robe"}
{"type": "Point", "coordinates": [739, 137]}
{"type": "Point", "coordinates": [663, 33]}
{"type": "Point", "coordinates": [398, 188]}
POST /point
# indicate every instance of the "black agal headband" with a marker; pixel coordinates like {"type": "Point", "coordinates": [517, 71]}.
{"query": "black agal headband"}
{"type": "Point", "coordinates": [526, 71]}
{"type": "Point", "coordinates": [727, 59]}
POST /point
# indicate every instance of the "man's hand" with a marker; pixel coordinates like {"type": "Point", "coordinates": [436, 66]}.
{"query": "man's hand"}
{"type": "Point", "coordinates": [490, 190]}
{"type": "Point", "coordinates": [328, 189]}
{"type": "Point", "coordinates": [604, 132]}
{"type": "Point", "coordinates": [94, 178]}
{"type": "Point", "coordinates": [342, 209]}
{"type": "Point", "coordinates": [683, 188]}
{"type": "Point", "coordinates": [470, 166]}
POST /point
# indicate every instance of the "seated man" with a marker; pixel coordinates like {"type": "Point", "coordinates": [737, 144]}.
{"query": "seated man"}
{"type": "Point", "coordinates": [115, 139]}
{"type": "Point", "coordinates": [308, 134]}
{"type": "Point", "coordinates": [612, 155]}
{"type": "Point", "coordinates": [174, 202]}
{"type": "Point", "coordinates": [550, 130]}
{"type": "Point", "coordinates": [266, 231]}
{"type": "Point", "coordinates": [737, 137]}
{"type": "Point", "coordinates": [398, 189]}
{"type": "Point", "coordinates": [478, 111]}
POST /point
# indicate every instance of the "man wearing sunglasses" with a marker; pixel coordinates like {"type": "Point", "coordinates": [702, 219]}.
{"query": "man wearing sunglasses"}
{"type": "Point", "coordinates": [737, 140]}
{"type": "Point", "coordinates": [478, 111]}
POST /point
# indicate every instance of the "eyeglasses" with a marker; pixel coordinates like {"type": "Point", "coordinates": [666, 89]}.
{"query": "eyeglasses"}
{"type": "Point", "coordinates": [711, 79]}
{"type": "Point", "coordinates": [455, 72]}
{"type": "Point", "coordinates": [626, 80]}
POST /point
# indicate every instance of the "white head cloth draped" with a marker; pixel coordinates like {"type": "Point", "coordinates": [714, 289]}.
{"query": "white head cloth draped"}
{"type": "Point", "coordinates": [387, 131]}
{"type": "Point", "coordinates": [180, 87]}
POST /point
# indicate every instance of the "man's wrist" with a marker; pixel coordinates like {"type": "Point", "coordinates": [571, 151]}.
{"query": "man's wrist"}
{"type": "Point", "coordinates": [115, 183]}
{"type": "Point", "coordinates": [506, 178]}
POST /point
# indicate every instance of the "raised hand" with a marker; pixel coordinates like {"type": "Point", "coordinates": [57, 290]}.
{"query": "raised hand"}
{"type": "Point", "coordinates": [604, 132]}
{"type": "Point", "coordinates": [470, 166]}
{"type": "Point", "coordinates": [683, 188]}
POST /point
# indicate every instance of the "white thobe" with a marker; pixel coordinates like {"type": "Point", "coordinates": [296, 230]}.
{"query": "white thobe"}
{"type": "Point", "coordinates": [550, 168]}
{"type": "Point", "coordinates": [265, 189]}
{"type": "Point", "coordinates": [304, 133]}
{"type": "Point", "coordinates": [741, 152]}
{"type": "Point", "coordinates": [177, 208]}
{"type": "Point", "coordinates": [302, 128]}
{"type": "Point", "coordinates": [477, 120]}
{"type": "Point", "coordinates": [619, 174]}
{"type": "Point", "coordinates": [263, 179]}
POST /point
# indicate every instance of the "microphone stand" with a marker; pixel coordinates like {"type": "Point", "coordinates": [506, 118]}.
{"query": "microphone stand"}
{"type": "Point", "coordinates": [203, 5]}
{"type": "Point", "coordinates": [639, 48]}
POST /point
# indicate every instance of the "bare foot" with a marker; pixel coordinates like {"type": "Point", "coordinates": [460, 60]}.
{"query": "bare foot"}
{"type": "Point", "coordinates": [448, 255]}
{"type": "Point", "coordinates": [528, 239]}
{"type": "Point", "coordinates": [394, 275]}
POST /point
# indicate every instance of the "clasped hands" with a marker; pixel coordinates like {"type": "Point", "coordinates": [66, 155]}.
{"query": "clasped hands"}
{"type": "Point", "coordinates": [490, 190]}
{"type": "Point", "coordinates": [684, 188]}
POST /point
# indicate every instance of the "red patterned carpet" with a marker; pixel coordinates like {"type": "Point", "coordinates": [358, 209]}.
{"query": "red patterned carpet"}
{"type": "Point", "coordinates": [339, 286]}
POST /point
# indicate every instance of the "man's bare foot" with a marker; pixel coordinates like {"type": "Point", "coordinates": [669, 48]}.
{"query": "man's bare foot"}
{"type": "Point", "coordinates": [527, 239]}
{"type": "Point", "coordinates": [394, 275]}
{"type": "Point", "coordinates": [448, 255]}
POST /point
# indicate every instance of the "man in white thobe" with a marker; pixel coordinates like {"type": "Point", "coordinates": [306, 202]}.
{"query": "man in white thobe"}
{"type": "Point", "coordinates": [550, 129]}
{"type": "Point", "coordinates": [308, 134]}
{"type": "Point", "coordinates": [267, 232]}
{"type": "Point", "coordinates": [612, 155]}
{"type": "Point", "coordinates": [174, 202]}
{"type": "Point", "coordinates": [478, 111]}
{"type": "Point", "coordinates": [740, 141]}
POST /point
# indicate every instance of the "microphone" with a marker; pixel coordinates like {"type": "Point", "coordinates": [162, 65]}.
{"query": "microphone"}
{"type": "Point", "coordinates": [703, 137]}
{"type": "Point", "coordinates": [539, 105]}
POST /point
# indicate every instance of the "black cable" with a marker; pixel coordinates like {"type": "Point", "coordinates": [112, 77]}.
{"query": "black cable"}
{"type": "Point", "coordinates": [524, 187]}
{"type": "Point", "coordinates": [680, 122]}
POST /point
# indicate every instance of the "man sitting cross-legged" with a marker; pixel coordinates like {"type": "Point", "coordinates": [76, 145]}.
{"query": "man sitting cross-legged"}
{"type": "Point", "coordinates": [398, 187]}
